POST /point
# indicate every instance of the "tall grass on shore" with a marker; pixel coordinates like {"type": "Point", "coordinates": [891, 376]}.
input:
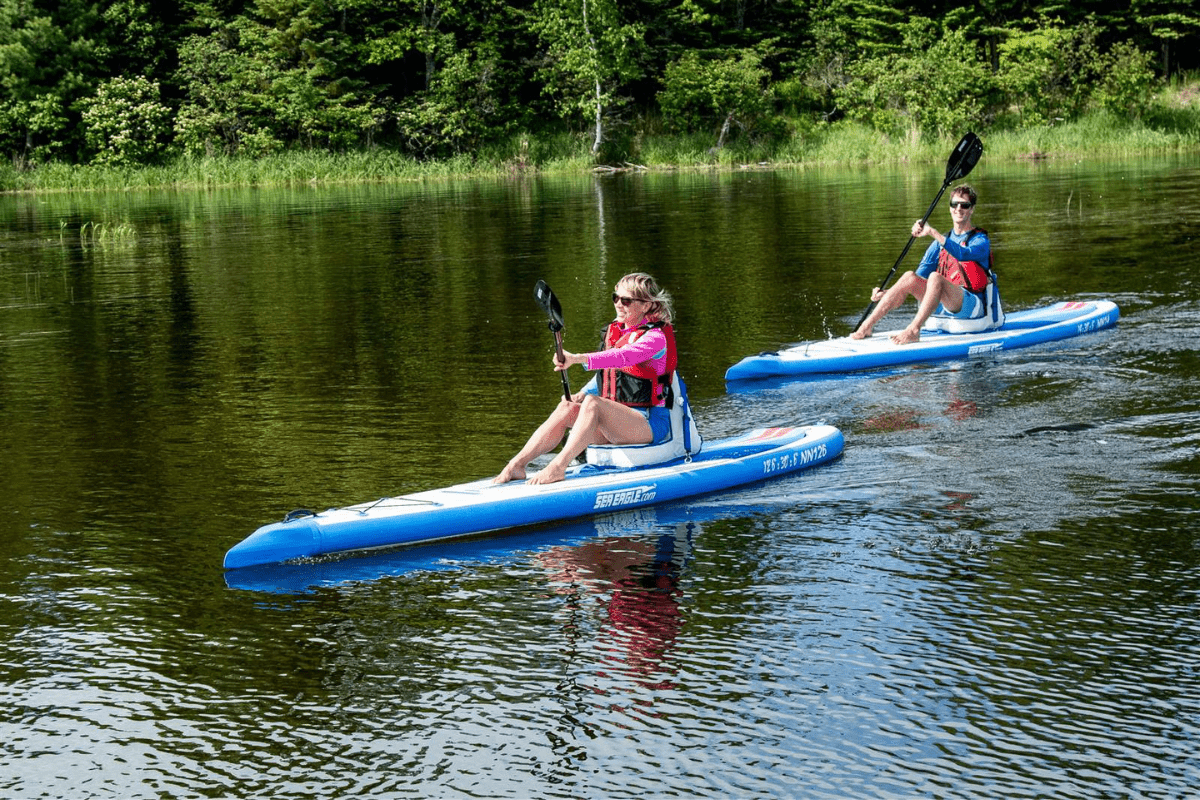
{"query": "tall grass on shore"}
{"type": "Point", "coordinates": [1096, 135]}
{"type": "Point", "coordinates": [1171, 125]}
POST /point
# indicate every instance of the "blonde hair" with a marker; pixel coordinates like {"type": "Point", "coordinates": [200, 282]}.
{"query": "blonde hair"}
{"type": "Point", "coordinates": [644, 287]}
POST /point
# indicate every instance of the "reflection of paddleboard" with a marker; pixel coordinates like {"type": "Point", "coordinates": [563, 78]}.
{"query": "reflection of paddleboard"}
{"type": "Point", "coordinates": [1020, 329]}
{"type": "Point", "coordinates": [302, 577]}
{"type": "Point", "coordinates": [481, 506]}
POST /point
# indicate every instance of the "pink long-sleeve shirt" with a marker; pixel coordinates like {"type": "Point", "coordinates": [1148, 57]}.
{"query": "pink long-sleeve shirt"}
{"type": "Point", "coordinates": [650, 346]}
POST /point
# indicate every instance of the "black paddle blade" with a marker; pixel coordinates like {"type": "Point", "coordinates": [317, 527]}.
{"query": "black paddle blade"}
{"type": "Point", "coordinates": [964, 158]}
{"type": "Point", "coordinates": [549, 304]}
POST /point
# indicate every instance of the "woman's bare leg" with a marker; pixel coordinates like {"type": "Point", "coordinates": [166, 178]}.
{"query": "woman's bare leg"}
{"type": "Point", "coordinates": [543, 440]}
{"type": "Point", "coordinates": [600, 421]}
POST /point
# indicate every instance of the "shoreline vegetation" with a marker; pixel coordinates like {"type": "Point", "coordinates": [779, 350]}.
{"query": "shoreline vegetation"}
{"type": "Point", "coordinates": [1172, 126]}
{"type": "Point", "coordinates": [135, 95]}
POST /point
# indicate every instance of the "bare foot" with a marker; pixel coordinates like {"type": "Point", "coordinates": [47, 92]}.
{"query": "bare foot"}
{"type": "Point", "coordinates": [510, 473]}
{"type": "Point", "coordinates": [861, 333]}
{"type": "Point", "coordinates": [906, 336]}
{"type": "Point", "coordinates": [551, 473]}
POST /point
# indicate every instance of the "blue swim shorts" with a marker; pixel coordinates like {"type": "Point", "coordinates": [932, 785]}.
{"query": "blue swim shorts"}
{"type": "Point", "coordinates": [660, 423]}
{"type": "Point", "coordinates": [972, 308]}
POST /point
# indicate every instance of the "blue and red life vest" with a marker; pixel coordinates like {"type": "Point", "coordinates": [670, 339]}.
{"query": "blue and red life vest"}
{"type": "Point", "coordinates": [639, 385]}
{"type": "Point", "coordinates": [971, 275]}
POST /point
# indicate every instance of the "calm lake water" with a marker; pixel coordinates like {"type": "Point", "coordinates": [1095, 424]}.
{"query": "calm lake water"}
{"type": "Point", "coordinates": [994, 593]}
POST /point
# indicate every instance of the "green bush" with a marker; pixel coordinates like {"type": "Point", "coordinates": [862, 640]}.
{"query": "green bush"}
{"type": "Point", "coordinates": [936, 85]}
{"type": "Point", "coordinates": [463, 110]}
{"type": "Point", "coordinates": [699, 93]}
{"type": "Point", "coordinates": [125, 124]}
{"type": "Point", "coordinates": [44, 123]}
{"type": "Point", "coordinates": [1126, 79]}
{"type": "Point", "coordinates": [1047, 74]}
{"type": "Point", "coordinates": [222, 97]}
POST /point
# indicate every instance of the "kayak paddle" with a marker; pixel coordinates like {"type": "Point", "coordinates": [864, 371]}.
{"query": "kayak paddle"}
{"type": "Point", "coordinates": [553, 309]}
{"type": "Point", "coordinates": [966, 154]}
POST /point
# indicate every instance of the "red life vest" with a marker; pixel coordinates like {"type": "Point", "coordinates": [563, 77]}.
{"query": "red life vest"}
{"type": "Point", "coordinates": [971, 275]}
{"type": "Point", "coordinates": [639, 385]}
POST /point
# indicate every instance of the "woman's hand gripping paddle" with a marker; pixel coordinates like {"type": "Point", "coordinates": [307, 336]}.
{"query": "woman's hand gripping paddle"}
{"type": "Point", "coordinates": [966, 154]}
{"type": "Point", "coordinates": [550, 305]}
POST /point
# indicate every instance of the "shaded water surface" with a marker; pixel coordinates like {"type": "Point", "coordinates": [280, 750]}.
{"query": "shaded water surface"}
{"type": "Point", "coordinates": [992, 594]}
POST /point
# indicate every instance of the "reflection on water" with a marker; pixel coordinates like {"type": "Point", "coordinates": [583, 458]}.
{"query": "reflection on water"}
{"type": "Point", "coordinates": [992, 594]}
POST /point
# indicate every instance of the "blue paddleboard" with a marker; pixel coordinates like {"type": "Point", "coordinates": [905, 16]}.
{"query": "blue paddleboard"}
{"type": "Point", "coordinates": [1020, 329]}
{"type": "Point", "coordinates": [482, 507]}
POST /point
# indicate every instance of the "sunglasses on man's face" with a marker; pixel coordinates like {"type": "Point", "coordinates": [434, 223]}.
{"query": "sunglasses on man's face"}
{"type": "Point", "coordinates": [961, 204]}
{"type": "Point", "coordinates": [625, 301]}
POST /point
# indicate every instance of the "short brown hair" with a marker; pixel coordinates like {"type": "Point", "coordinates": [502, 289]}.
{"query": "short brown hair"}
{"type": "Point", "coordinates": [965, 188]}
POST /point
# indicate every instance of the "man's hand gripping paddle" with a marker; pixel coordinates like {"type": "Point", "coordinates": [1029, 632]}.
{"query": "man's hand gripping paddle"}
{"type": "Point", "coordinates": [550, 305]}
{"type": "Point", "coordinates": [966, 154]}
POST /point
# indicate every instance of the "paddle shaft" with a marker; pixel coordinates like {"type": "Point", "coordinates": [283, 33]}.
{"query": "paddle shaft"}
{"type": "Point", "coordinates": [562, 373]}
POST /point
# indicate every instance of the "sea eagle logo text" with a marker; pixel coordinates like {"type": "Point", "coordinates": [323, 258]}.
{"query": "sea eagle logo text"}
{"type": "Point", "coordinates": [625, 497]}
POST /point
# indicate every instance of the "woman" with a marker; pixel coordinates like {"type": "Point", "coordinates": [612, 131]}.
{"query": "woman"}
{"type": "Point", "coordinates": [627, 402]}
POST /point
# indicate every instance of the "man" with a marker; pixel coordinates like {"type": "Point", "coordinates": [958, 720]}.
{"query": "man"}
{"type": "Point", "coordinates": [950, 280]}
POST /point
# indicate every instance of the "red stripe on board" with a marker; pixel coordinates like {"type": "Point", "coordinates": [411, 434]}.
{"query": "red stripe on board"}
{"type": "Point", "coordinates": [771, 433]}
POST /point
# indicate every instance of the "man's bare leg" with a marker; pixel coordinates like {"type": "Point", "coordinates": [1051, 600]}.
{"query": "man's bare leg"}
{"type": "Point", "coordinates": [938, 290]}
{"type": "Point", "coordinates": [908, 285]}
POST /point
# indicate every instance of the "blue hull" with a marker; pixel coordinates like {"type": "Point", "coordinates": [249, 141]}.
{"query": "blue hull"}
{"type": "Point", "coordinates": [481, 507]}
{"type": "Point", "coordinates": [679, 520]}
{"type": "Point", "coordinates": [1020, 329]}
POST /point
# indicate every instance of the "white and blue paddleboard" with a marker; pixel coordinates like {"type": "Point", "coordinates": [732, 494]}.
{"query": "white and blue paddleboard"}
{"type": "Point", "coordinates": [481, 506]}
{"type": "Point", "coordinates": [1020, 329]}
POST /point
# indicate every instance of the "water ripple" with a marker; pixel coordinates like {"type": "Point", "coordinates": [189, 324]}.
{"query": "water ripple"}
{"type": "Point", "coordinates": [992, 594]}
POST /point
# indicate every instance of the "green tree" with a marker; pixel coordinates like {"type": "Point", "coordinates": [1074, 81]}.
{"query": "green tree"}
{"type": "Point", "coordinates": [840, 36]}
{"type": "Point", "coordinates": [226, 107]}
{"type": "Point", "coordinates": [468, 55]}
{"type": "Point", "coordinates": [461, 110]}
{"type": "Point", "coordinates": [316, 98]}
{"type": "Point", "coordinates": [988, 22]}
{"type": "Point", "coordinates": [1169, 22]}
{"type": "Point", "coordinates": [282, 75]}
{"type": "Point", "coordinates": [424, 27]}
{"type": "Point", "coordinates": [591, 55]}
{"type": "Point", "coordinates": [859, 28]}
{"type": "Point", "coordinates": [137, 40]}
{"type": "Point", "coordinates": [49, 54]}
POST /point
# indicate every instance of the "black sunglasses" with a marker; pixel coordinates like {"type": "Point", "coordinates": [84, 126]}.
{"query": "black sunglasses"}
{"type": "Point", "coordinates": [624, 300]}
{"type": "Point", "coordinates": [961, 204]}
